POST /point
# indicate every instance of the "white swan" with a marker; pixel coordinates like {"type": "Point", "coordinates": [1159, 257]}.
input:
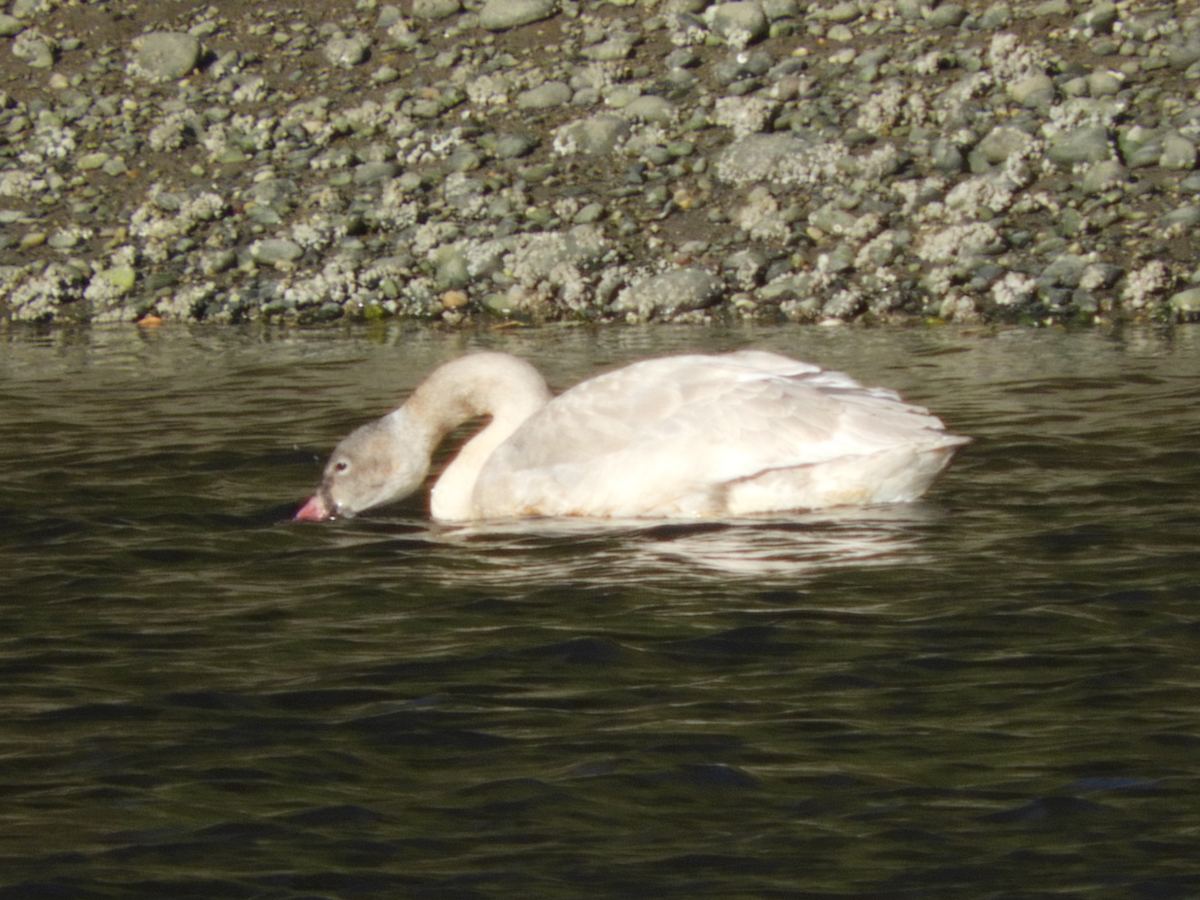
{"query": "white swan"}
{"type": "Point", "coordinates": [677, 437]}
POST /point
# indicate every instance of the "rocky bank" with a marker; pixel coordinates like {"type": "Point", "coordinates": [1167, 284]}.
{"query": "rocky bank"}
{"type": "Point", "coordinates": [534, 160]}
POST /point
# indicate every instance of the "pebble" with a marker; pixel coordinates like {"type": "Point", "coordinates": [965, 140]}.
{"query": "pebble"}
{"type": "Point", "coordinates": [122, 278]}
{"type": "Point", "coordinates": [1033, 91]}
{"type": "Point", "coordinates": [1177, 153]}
{"type": "Point", "coordinates": [37, 49]}
{"type": "Point", "coordinates": [569, 159]}
{"type": "Point", "coordinates": [166, 55]}
{"type": "Point", "coordinates": [593, 136]}
{"type": "Point", "coordinates": [1081, 145]}
{"type": "Point", "coordinates": [500, 15]}
{"type": "Point", "coordinates": [738, 24]}
{"type": "Point", "coordinates": [347, 50]}
{"type": "Point", "coordinates": [545, 96]}
{"type": "Point", "coordinates": [680, 290]}
{"type": "Point", "coordinates": [273, 250]}
{"type": "Point", "coordinates": [435, 9]}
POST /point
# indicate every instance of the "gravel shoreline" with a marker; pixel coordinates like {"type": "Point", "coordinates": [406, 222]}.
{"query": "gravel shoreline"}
{"type": "Point", "coordinates": [540, 160]}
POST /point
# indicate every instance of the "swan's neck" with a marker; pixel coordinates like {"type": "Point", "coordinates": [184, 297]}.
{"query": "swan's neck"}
{"type": "Point", "coordinates": [508, 389]}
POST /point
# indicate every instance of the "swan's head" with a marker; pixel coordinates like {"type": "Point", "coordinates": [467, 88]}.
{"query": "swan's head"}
{"type": "Point", "coordinates": [373, 465]}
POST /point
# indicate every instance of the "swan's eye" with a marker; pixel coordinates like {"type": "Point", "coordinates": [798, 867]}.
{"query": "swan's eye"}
{"type": "Point", "coordinates": [341, 466]}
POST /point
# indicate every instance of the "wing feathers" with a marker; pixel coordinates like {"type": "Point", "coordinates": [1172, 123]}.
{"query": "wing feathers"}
{"type": "Point", "coordinates": [698, 435]}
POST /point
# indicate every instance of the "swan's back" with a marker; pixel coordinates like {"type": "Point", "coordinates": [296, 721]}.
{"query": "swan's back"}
{"type": "Point", "coordinates": [714, 435]}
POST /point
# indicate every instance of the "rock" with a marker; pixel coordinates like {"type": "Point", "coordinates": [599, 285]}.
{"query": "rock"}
{"type": "Point", "coordinates": [679, 290]}
{"type": "Point", "coordinates": [63, 240]}
{"type": "Point", "coordinates": [1186, 302]}
{"type": "Point", "coordinates": [1032, 91]}
{"type": "Point", "coordinates": [347, 50]}
{"type": "Point", "coordinates": [514, 146]}
{"type": "Point", "coordinates": [1002, 142]}
{"type": "Point", "coordinates": [122, 278]}
{"type": "Point", "coordinates": [593, 136]}
{"type": "Point", "coordinates": [1183, 217]}
{"type": "Point", "coordinates": [1087, 143]}
{"type": "Point", "coordinates": [546, 95]}
{"type": "Point", "coordinates": [273, 250]}
{"type": "Point", "coordinates": [89, 161]}
{"type": "Point", "coordinates": [947, 15]}
{"type": "Point", "coordinates": [781, 158]}
{"type": "Point", "coordinates": [435, 9]}
{"type": "Point", "coordinates": [375, 172]}
{"type": "Point", "coordinates": [1177, 152]}
{"type": "Point", "coordinates": [10, 26]}
{"type": "Point", "coordinates": [1104, 176]}
{"type": "Point", "coordinates": [651, 108]}
{"type": "Point", "coordinates": [844, 12]}
{"type": "Point", "coordinates": [166, 55]}
{"type": "Point", "coordinates": [738, 24]}
{"type": "Point", "coordinates": [1065, 271]}
{"type": "Point", "coordinates": [24, 9]}
{"type": "Point", "coordinates": [500, 15]}
{"type": "Point", "coordinates": [37, 49]}
{"type": "Point", "coordinates": [1105, 83]}
{"type": "Point", "coordinates": [619, 46]}
{"type": "Point", "coordinates": [946, 157]}
{"type": "Point", "coordinates": [1099, 19]}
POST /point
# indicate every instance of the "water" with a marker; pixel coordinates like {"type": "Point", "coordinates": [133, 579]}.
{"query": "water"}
{"type": "Point", "coordinates": [992, 693]}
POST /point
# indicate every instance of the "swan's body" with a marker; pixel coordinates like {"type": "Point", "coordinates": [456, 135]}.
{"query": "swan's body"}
{"type": "Point", "coordinates": [677, 437]}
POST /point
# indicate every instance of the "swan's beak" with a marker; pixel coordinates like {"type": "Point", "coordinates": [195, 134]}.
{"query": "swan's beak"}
{"type": "Point", "coordinates": [315, 510]}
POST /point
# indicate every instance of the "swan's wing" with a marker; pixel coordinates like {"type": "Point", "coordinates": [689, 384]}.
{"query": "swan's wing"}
{"type": "Point", "coordinates": [670, 436]}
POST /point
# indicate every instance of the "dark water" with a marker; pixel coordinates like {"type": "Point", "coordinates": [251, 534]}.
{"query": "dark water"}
{"type": "Point", "coordinates": [992, 693]}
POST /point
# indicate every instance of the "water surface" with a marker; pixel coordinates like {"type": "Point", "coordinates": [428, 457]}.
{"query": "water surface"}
{"type": "Point", "coordinates": [991, 693]}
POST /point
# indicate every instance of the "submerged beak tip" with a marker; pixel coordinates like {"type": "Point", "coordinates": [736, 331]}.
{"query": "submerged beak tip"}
{"type": "Point", "coordinates": [314, 510]}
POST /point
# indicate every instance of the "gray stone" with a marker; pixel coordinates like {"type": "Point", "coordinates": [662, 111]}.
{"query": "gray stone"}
{"type": "Point", "coordinates": [679, 290]}
{"type": "Point", "coordinates": [122, 278]}
{"type": "Point", "coordinates": [652, 108]}
{"type": "Point", "coordinates": [618, 46]}
{"type": "Point", "coordinates": [1104, 176]}
{"type": "Point", "coordinates": [435, 9]}
{"type": "Point", "coordinates": [272, 250]}
{"type": "Point", "coordinates": [513, 146]}
{"type": "Point", "coordinates": [166, 55]}
{"type": "Point", "coordinates": [593, 136]}
{"type": "Point", "coordinates": [499, 15]}
{"type": "Point", "coordinates": [1181, 56]}
{"type": "Point", "coordinates": [1002, 142]}
{"type": "Point", "coordinates": [1065, 271]}
{"type": "Point", "coordinates": [546, 95]}
{"type": "Point", "coordinates": [10, 25]}
{"type": "Point", "coordinates": [1187, 301]}
{"type": "Point", "coordinates": [1149, 155]}
{"type": "Point", "coordinates": [1186, 216]}
{"type": "Point", "coordinates": [1104, 83]}
{"type": "Point", "coordinates": [1033, 91]}
{"type": "Point", "coordinates": [948, 15]}
{"type": "Point", "coordinates": [1088, 143]}
{"type": "Point", "coordinates": [1177, 152]}
{"type": "Point", "coordinates": [347, 50]}
{"type": "Point", "coordinates": [844, 12]}
{"type": "Point", "coordinates": [375, 172]}
{"type": "Point", "coordinates": [738, 24]}
{"type": "Point", "coordinates": [947, 158]}
{"type": "Point", "coordinates": [996, 16]}
{"type": "Point", "coordinates": [1100, 18]}
{"type": "Point", "coordinates": [36, 48]}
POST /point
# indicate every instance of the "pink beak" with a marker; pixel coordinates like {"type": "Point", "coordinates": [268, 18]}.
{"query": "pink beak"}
{"type": "Point", "coordinates": [314, 510]}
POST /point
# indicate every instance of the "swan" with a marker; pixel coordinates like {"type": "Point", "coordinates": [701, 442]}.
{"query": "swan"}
{"type": "Point", "coordinates": [692, 436]}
